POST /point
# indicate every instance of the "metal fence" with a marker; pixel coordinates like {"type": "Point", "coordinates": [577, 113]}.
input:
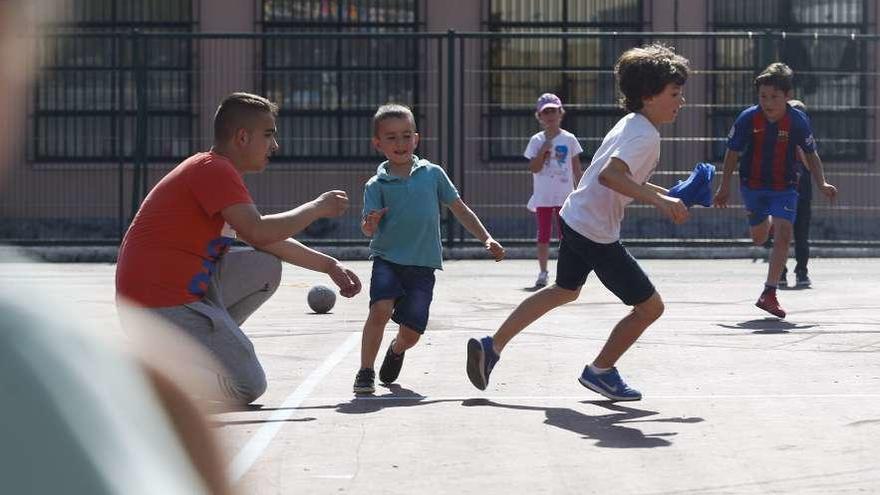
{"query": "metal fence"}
{"type": "Point", "coordinates": [111, 113]}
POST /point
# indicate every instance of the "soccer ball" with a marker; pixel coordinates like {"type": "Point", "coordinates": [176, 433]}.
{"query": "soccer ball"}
{"type": "Point", "coordinates": [321, 299]}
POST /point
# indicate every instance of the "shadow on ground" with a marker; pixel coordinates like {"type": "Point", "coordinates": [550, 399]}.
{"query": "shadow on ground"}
{"type": "Point", "coordinates": [610, 430]}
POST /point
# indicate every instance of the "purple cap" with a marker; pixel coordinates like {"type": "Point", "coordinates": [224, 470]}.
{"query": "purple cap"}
{"type": "Point", "coordinates": [548, 100]}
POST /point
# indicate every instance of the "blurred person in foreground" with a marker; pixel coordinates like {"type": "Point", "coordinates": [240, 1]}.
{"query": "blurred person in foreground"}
{"type": "Point", "coordinates": [83, 415]}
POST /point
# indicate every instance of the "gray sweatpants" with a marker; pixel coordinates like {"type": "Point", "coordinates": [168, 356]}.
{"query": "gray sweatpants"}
{"type": "Point", "coordinates": [243, 280]}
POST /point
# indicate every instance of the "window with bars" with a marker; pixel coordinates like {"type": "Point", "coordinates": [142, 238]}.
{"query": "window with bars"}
{"type": "Point", "coordinates": [329, 89]}
{"type": "Point", "coordinates": [578, 70]}
{"type": "Point", "coordinates": [830, 74]}
{"type": "Point", "coordinates": [85, 98]}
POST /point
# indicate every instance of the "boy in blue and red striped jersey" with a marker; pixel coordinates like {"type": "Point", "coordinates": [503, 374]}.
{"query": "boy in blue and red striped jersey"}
{"type": "Point", "coordinates": [764, 140]}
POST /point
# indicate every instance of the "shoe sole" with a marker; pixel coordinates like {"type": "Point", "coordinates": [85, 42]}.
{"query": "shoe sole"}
{"type": "Point", "coordinates": [606, 394]}
{"type": "Point", "coordinates": [779, 314]}
{"type": "Point", "coordinates": [364, 390]}
{"type": "Point", "coordinates": [476, 361]}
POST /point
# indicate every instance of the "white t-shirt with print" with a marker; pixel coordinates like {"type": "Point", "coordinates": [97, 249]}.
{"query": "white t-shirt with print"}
{"type": "Point", "coordinates": [596, 211]}
{"type": "Point", "coordinates": [555, 181]}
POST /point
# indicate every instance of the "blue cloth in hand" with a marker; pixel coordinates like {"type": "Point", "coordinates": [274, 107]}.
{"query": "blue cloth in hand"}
{"type": "Point", "coordinates": [696, 189]}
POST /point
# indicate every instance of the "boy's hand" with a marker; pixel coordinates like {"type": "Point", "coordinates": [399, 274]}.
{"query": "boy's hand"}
{"type": "Point", "coordinates": [673, 208]}
{"type": "Point", "coordinates": [331, 203]}
{"type": "Point", "coordinates": [721, 196]}
{"type": "Point", "coordinates": [829, 191]}
{"type": "Point", "coordinates": [371, 221]}
{"type": "Point", "coordinates": [349, 284]}
{"type": "Point", "coordinates": [495, 248]}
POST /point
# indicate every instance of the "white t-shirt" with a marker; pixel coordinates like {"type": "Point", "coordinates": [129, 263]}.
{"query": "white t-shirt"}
{"type": "Point", "coordinates": [596, 211]}
{"type": "Point", "coordinates": [555, 181]}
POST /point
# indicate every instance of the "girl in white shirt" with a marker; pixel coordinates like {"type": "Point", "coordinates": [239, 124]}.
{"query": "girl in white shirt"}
{"type": "Point", "coordinates": [555, 164]}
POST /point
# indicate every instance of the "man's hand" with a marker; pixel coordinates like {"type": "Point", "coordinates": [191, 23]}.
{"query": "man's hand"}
{"type": "Point", "coordinates": [349, 284]}
{"type": "Point", "coordinates": [721, 196]}
{"type": "Point", "coordinates": [829, 191]}
{"type": "Point", "coordinates": [673, 208]}
{"type": "Point", "coordinates": [495, 248]}
{"type": "Point", "coordinates": [371, 221]}
{"type": "Point", "coordinates": [331, 203]}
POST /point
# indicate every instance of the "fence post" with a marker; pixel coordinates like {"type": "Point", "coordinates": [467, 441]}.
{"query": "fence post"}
{"type": "Point", "coordinates": [118, 44]}
{"type": "Point", "coordinates": [450, 128]}
{"type": "Point", "coordinates": [139, 176]}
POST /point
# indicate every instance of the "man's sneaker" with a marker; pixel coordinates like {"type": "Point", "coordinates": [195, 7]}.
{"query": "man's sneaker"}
{"type": "Point", "coordinates": [803, 280]}
{"type": "Point", "coordinates": [363, 383]}
{"type": "Point", "coordinates": [783, 278]}
{"type": "Point", "coordinates": [481, 358]}
{"type": "Point", "coordinates": [768, 303]}
{"type": "Point", "coordinates": [390, 369]}
{"type": "Point", "coordinates": [609, 384]}
{"type": "Point", "coordinates": [542, 279]}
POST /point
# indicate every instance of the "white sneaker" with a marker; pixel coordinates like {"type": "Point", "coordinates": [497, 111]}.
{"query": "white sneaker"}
{"type": "Point", "coordinates": [542, 279]}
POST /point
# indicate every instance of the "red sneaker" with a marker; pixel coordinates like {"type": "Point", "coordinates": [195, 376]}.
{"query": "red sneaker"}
{"type": "Point", "coordinates": [768, 303]}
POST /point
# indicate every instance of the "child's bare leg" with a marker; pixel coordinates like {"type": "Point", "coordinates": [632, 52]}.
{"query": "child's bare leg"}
{"type": "Point", "coordinates": [543, 255]}
{"type": "Point", "coordinates": [628, 330]}
{"type": "Point", "coordinates": [374, 327]}
{"type": "Point", "coordinates": [406, 338]}
{"type": "Point", "coordinates": [761, 232]}
{"type": "Point", "coordinates": [532, 308]}
{"type": "Point", "coordinates": [782, 233]}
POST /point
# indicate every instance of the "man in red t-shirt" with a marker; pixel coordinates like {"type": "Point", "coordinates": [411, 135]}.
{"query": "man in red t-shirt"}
{"type": "Point", "coordinates": [176, 261]}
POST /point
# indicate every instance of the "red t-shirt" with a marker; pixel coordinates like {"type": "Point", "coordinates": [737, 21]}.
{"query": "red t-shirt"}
{"type": "Point", "coordinates": [175, 241]}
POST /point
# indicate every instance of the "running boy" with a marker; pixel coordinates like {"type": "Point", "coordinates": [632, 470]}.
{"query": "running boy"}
{"type": "Point", "coordinates": [650, 79]}
{"type": "Point", "coordinates": [402, 216]}
{"type": "Point", "coordinates": [764, 140]}
{"type": "Point", "coordinates": [554, 160]}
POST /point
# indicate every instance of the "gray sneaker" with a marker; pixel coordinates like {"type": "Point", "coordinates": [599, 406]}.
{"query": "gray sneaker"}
{"type": "Point", "coordinates": [542, 279]}
{"type": "Point", "coordinates": [803, 280]}
{"type": "Point", "coordinates": [364, 382]}
{"type": "Point", "coordinates": [783, 279]}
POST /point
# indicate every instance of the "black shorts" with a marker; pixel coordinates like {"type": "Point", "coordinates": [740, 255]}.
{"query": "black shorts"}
{"type": "Point", "coordinates": [615, 267]}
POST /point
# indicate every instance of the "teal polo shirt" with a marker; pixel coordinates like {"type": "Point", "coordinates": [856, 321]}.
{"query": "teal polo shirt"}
{"type": "Point", "coordinates": [409, 233]}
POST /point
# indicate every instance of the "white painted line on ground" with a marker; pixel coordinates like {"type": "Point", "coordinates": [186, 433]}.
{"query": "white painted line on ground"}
{"type": "Point", "coordinates": [254, 448]}
{"type": "Point", "coordinates": [587, 397]}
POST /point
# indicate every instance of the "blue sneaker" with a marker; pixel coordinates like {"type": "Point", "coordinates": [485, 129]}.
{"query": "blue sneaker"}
{"type": "Point", "coordinates": [609, 384]}
{"type": "Point", "coordinates": [481, 358]}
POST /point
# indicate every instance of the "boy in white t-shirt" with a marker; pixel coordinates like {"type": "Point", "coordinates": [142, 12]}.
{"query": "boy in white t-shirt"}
{"type": "Point", "coordinates": [554, 160]}
{"type": "Point", "coordinates": [650, 80]}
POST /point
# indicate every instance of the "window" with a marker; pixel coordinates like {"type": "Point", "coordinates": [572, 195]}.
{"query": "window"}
{"type": "Point", "coordinates": [577, 70]}
{"type": "Point", "coordinates": [85, 101]}
{"type": "Point", "coordinates": [329, 89]}
{"type": "Point", "coordinates": [830, 74]}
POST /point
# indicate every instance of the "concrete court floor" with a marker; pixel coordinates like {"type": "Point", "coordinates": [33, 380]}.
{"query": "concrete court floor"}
{"type": "Point", "coordinates": [736, 401]}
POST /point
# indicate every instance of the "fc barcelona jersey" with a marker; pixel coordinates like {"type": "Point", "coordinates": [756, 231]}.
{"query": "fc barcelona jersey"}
{"type": "Point", "coordinates": [768, 153]}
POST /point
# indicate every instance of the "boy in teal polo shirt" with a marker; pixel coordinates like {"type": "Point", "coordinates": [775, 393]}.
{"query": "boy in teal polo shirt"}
{"type": "Point", "coordinates": [402, 216]}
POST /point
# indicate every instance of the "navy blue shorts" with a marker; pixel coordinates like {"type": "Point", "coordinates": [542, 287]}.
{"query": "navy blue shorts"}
{"type": "Point", "coordinates": [411, 288]}
{"type": "Point", "coordinates": [615, 267]}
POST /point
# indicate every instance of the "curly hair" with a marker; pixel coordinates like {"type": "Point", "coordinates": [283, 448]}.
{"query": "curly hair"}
{"type": "Point", "coordinates": [644, 71]}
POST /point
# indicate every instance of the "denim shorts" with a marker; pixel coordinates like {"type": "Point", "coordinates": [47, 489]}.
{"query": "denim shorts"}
{"type": "Point", "coordinates": [615, 267]}
{"type": "Point", "coordinates": [411, 288]}
{"type": "Point", "coordinates": [760, 203]}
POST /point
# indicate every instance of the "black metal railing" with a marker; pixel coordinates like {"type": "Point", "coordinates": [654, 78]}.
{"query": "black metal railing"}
{"type": "Point", "coordinates": [149, 105]}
